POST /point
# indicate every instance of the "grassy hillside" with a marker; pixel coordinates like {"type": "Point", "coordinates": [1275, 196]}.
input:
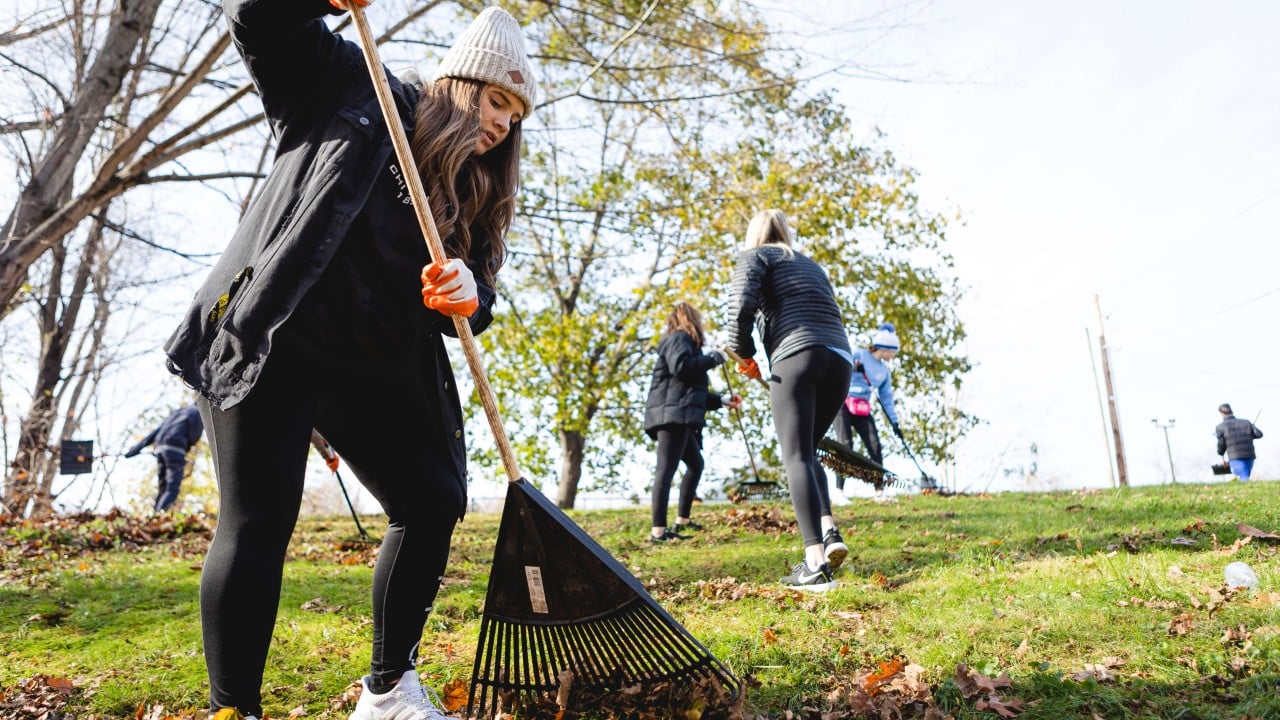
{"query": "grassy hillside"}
{"type": "Point", "coordinates": [1101, 604]}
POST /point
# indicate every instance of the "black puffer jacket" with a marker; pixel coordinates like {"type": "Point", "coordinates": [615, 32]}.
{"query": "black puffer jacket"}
{"type": "Point", "coordinates": [789, 297]}
{"type": "Point", "coordinates": [1235, 438]}
{"type": "Point", "coordinates": [678, 390]}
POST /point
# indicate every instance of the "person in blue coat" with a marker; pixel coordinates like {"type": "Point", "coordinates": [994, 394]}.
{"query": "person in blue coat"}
{"type": "Point", "coordinates": [679, 398]}
{"type": "Point", "coordinates": [870, 376]}
{"type": "Point", "coordinates": [171, 442]}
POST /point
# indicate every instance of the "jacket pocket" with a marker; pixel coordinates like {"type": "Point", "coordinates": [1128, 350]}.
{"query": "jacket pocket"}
{"type": "Point", "coordinates": [219, 308]}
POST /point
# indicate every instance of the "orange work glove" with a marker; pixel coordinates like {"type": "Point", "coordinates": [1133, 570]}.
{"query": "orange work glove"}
{"type": "Point", "coordinates": [748, 367]}
{"type": "Point", "coordinates": [449, 288]}
{"type": "Point", "coordinates": [332, 461]}
{"type": "Point", "coordinates": [345, 4]}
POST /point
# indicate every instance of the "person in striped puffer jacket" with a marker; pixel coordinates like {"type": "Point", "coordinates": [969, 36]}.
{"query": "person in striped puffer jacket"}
{"type": "Point", "coordinates": [788, 298]}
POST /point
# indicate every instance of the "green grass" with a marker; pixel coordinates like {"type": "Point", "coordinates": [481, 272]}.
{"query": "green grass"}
{"type": "Point", "coordinates": [1032, 585]}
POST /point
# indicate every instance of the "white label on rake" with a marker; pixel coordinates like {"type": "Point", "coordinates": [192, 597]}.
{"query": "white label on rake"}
{"type": "Point", "coordinates": [537, 596]}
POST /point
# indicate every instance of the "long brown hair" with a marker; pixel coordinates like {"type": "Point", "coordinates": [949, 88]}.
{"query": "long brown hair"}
{"type": "Point", "coordinates": [472, 198]}
{"type": "Point", "coordinates": [686, 318]}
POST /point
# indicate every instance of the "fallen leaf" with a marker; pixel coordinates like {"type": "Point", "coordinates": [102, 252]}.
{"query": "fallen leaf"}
{"type": "Point", "coordinates": [562, 694]}
{"type": "Point", "coordinates": [1235, 546]}
{"type": "Point", "coordinates": [297, 712]}
{"type": "Point", "coordinates": [1097, 672]}
{"type": "Point", "coordinates": [1252, 531]}
{"type": "Point", "coordinates": [1238, 634]}
{"type": "Point", "coordinates": [453, 695]}
{"type": "Point", "coordinates": [1008, 707]}
{"type": "Point", "coordinates": [972, 682]}
{"type": "Point", "coordinates": [886, 672]}
{"type": "Point", "coordinates": [770, 637]}
{"type": "Point", "coordinates": [1181, 625]}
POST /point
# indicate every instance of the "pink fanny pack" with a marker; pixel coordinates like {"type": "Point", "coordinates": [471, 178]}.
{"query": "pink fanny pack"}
{"type": "Point", "coordinates": [858, 407]}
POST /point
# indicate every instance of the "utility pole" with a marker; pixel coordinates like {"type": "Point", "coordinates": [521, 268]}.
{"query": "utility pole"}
{"type": "Point", "coordinates": [1121, 468]}
{"type": "Point", "coordinates": [1165, 427]}
{"type": "Point", "coordinates": [1102, 412]}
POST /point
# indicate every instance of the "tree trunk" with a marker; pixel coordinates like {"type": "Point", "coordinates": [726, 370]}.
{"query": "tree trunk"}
{"type": "Point", "coordinates": [29, 488]}
{"type": "Point", "coordinates": [52, 177]}
{"type": "Point", "coordinates": [572, 443]}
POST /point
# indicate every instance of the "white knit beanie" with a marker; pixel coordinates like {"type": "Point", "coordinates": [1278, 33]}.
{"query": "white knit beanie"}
{"type": "Point", "coordinates": [492, 51]}
{"type": "Point", "coordinates": [885, 337]}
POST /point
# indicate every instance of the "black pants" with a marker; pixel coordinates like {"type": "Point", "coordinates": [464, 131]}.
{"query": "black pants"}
{"type": "Point", "coordinates": [805, 391]}
{"type": "Point", "coordinates": [866, 427]}
{"type": "Point", "coordinates": [371, 416]}
{"type": "Point", "coordinates": [676, 443]}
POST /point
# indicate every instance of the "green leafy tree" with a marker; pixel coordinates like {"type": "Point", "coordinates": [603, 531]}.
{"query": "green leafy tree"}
{"type": "Point", "coordinates": [637, 196]}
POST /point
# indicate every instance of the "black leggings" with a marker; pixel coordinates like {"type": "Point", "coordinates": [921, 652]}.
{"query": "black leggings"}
{"type": "Point", "coordinates": [805, 391]}
{"type": "Point", "coordinates": [866, 427]}
{"type": "Point", "coordinates": [676, 443]}
{"type": "Point", "coordinates": [372, 417]}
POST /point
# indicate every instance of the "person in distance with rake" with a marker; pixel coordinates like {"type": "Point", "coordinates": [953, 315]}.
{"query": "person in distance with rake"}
{"type": "Point", "coordinates": [314, 317]}
{"type": "Point", "coordinates": [679, 398]}
{"type": "Point", "coordinates": [870, 375]}
{"type": "Point", "coordinates": [789, 298]}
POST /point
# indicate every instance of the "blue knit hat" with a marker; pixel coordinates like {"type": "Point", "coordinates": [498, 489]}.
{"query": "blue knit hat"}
{"type": "Point", "coordinates": [885, 337]}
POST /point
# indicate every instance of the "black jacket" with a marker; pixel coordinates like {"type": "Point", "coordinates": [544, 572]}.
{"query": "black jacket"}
{"type": "Point", "coordinates": [678, 390]}
{"type": "Point", "coordinates": [789, 297]}
{"type": "Point", "coordinates": [331, 142]}
{"type": "Point", "coordinates": [1235, 438]}
{"type": "Point", "coordinates": [177, 433]}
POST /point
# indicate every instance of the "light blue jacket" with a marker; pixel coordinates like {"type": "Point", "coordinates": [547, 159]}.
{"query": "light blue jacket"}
{"type": "Point", "coordinates": [876, 378]}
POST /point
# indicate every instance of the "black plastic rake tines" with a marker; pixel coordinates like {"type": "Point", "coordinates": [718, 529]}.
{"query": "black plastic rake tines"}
{"type": "Point", "coordinates": [840, 458]}
{"type": "Point", "coordinates": [558, 601]}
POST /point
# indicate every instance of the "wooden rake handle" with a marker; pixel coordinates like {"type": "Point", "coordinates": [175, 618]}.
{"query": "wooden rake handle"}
{"type": "Point", "coordinates": [428, 224]}
{"type": "Point", "coordinates": [734, 357]}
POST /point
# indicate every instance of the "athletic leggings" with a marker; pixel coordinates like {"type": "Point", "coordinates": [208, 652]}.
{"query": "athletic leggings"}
{"type": "Point", "coordinates": [805, 391]}
{"type": "Point", "coordinates": [372, 416]}
{"type": "Point", "coordinates": [675, 443]}
{"type": "Point", "coordinates": [866, 427]}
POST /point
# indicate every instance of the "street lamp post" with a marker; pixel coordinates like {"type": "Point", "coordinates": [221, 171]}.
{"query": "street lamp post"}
{"type": "Point", "coordinates": [1169, 449]}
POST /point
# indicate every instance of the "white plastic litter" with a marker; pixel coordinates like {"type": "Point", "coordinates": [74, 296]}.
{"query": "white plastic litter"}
{"type": "Point", "coordinates": [1240, 575]}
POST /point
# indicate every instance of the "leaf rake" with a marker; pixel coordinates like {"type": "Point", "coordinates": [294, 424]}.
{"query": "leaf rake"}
{"type": "Point", "coordinates": [846, 461]}
{"type": "Point", "coordinates": [557, 601]}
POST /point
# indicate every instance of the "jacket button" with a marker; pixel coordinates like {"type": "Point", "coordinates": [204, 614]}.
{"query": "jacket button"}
{"type": "Point", "coordinates": [446, 384]}
{"type": "Point", "coordinates": [457, 434]}
{"type": "Point", "coordinates": [364, 121]}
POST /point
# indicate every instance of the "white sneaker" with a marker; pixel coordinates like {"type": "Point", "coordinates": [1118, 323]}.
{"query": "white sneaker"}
{"type": "Point", "coordinates": [406, 701]}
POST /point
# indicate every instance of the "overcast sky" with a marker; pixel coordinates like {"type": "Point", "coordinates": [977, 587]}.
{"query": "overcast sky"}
{"type": "Point", "coordinates": [1123, 149]}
